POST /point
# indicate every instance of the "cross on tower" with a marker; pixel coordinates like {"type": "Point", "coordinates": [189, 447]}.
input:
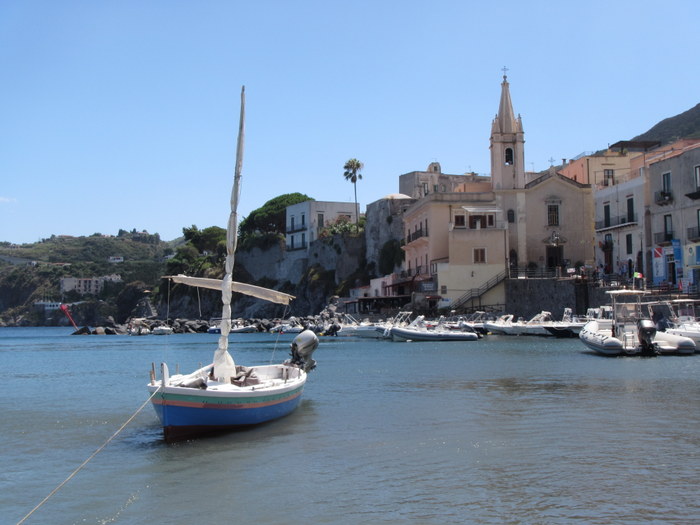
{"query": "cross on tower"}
{"type": "Point", "coordinates": [505, 70]}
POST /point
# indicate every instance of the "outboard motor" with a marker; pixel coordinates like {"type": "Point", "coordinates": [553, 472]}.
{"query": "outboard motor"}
{"type": "Point", "coordinates": [646, 330]}
{"type": "Point", "coordinates": [303, 347]}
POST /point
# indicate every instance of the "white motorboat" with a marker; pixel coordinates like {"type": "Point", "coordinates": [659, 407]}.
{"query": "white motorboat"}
{"type": "Point", "coordinates": [677, 317]}
{"type": "Point", "coordinates": [500, 325]}
{"type": "Point", "coordinates": [631, 331]}
{"type": "Point", "coordinates": [418, 331]}
{"type": "Point", "coordinates": [161, 329]}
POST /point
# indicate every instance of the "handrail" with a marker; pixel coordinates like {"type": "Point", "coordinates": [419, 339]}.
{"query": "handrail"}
{"type": "Point", "coordinates": [473, 293]}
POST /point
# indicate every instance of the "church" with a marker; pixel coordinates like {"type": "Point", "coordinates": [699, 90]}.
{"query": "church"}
{"type": "Point", "coordinates": [465, 234]}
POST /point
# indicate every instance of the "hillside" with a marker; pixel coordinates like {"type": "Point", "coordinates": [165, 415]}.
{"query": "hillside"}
{"type": "Point", "coordinates": [32, 272]}
{"type": "Point", "coordinates": [684, 125]}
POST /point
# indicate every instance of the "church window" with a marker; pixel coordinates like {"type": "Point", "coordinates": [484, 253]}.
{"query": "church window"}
{"type": "Point", "coordinates": [553, 215]}
{"type": "Point", "coordinates": [509, 156]}
{"type": "Point", "coordinates": [511, 216]}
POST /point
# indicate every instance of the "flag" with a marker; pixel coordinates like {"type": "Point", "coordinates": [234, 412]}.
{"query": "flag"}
{"type": "Point", "coordinates": [638, 275]}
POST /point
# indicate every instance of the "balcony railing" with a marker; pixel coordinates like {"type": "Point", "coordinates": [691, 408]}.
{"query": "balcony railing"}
{"type": "Point", "coordinates": [663, 197]}
{"type": "Point", "coordinates": [663, 237]}
{"type": "Point", "coordinates": [694, 233]}
{"type": "Point", "coordinates": [412, 236]}
{"type": "Point", "coordinates": [612, 222]}
{"type": "Point", "coordinates": [296, 228]}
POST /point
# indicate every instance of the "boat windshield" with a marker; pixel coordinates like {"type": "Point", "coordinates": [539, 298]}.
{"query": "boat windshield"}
{"type": "Point", "coordinates": [625, 312]}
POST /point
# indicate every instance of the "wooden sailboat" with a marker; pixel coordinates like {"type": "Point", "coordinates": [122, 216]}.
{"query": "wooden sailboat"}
{"type": "Point", "coordinates": [225, 396]}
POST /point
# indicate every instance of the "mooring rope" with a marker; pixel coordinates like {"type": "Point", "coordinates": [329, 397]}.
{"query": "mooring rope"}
{"type": "Point", "coordinates": [54, 491]}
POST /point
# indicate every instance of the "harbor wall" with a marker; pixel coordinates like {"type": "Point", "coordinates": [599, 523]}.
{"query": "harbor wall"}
{"type": "Point", "coordinates": [528, 297]}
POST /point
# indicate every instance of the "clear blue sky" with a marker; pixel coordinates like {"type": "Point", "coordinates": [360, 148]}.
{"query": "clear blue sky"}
{"type": "Point", "coordinates": [123, 114]}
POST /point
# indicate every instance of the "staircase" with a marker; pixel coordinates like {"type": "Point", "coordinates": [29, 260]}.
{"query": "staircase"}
{"type": "Point", "coordinates": [475, 293]}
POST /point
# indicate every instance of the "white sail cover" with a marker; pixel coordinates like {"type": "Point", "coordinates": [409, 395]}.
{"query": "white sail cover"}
{"type": "Point", "coordinates": [247, 289]}
{"type": "Point", "coordinates": [224, 366]}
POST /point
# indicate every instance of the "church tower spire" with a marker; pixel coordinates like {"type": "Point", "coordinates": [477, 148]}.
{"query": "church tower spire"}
{"type": "Point", "coordinates": [507, 144]}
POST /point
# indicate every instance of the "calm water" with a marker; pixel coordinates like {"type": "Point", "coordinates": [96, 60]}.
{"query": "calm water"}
{"type": "Point", "coordinates": [503, 430]}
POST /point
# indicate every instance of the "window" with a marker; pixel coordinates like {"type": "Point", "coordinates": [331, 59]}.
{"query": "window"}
{"type": "Point", "coordinates": [628, 239]}
{"type": "Point", "coordinates": [459, 221]}
{"type": "Point", "coordinates": [553, 214]}
{"type": "Point", "coordinates": [425, 189]}
{"type": "Point", "coordinates": [303, 240]}
{"type": "Point", "coordinates": [443, 289]}
{"type": "Point", "coordinates": [668, 227]}
{"type": "Point", "coordinates": [511, 216]}
{"type": "Point", "coordinates": [509, 156]}
{"type": "Point", "coordinates": [630, 209]}
{"type": "Point", "coordinates": [606, 215]}
{"type": "Point", "coordinates": [608, 177]}
{"type": "Point", "coordinates": [303, 220]}
{"type": "Point", "coordinates": [435, 188]}
{"type": "Point", "coordinates": [697, 178]}
{"type": "Point", "coordinates": [320, 220]}
{"type": "Point", "coordinates": [479, 255]}
{"type": "Point", "coordinates": [491, 220]}
{"type": "Point", "coordinates": [292, 224]}
{"type": "Point", "coordinates": [666, 182]}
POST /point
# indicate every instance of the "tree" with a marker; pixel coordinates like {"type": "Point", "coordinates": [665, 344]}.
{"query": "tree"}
{"type": "Point", "coordinates": [352, 173]}
{"type": "Point", "coordinates": [272, 216]}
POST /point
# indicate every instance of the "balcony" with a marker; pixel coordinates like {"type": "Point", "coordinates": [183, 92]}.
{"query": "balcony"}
{"type": "Point", "coordinates": [663, 237]}
{"type": "Point", "coordinates": [663, 197]}
{"type": "Point", "coordinates": [695, 195]}
{"type": "Point", "coordinates": [416, 235]}
{"type": "Point", "coordinates": [617, 222]}
{"type": "Point", "coordinates": [693, 234]}
{"type": "Point", "coordinates": [296, 228]}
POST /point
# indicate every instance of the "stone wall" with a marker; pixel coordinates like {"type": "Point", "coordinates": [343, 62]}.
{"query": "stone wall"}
{"type": "Point", "coordinates": [528, 297]}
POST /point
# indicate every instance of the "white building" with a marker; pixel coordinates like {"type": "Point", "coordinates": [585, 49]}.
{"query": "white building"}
{"type": "Point", "coordinates": [305, 220]}
{"type": "Point", "coordinates": [87, 285]}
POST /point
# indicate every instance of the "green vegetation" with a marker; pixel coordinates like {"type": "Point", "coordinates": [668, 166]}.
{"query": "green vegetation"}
{"type": "Point", "coordinates": [342, 226]}
{"type": "Point", "coordinates": [390, 256]}
{"type": "Point", "coordinates": [266, 226]}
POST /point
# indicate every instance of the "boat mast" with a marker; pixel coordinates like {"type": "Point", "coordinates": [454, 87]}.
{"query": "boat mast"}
{"type": "Point", "coordinates": [224, 366]}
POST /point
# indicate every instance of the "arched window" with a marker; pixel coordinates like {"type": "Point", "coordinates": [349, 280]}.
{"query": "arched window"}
{"type": "Point", "coordinates": [509, 156]}
{"type": "Point", "coordinates": [511, 216]}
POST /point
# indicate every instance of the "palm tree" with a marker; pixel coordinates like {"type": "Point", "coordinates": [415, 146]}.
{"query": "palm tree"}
{"type": "Point", "coordinates": [352, 173]}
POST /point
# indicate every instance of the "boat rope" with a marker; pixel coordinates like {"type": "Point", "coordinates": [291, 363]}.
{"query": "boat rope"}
{"type": "Point", "coordinates": [279, 333]}
{"type": "Point", "coordinates": [72, 475]}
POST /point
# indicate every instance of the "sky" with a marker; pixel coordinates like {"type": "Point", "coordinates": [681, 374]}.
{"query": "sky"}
{"type": "Point", "coordinates": [124, 114]}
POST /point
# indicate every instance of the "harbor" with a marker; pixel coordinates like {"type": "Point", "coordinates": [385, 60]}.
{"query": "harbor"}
{"type": "Point", "coordinates": [500, 430]}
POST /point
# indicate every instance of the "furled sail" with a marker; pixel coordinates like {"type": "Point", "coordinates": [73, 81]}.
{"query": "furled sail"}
{"type": "Point", "coordinates": [224, 366]}
{"type": "Point", "coordinates": [248, 289]}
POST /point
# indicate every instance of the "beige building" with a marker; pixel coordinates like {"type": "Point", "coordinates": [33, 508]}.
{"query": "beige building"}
{"type": "Point", "coordinates": [455, 241]}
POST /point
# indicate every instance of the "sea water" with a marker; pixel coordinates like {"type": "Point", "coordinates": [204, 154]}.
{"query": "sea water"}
{"type": "Point", "coordinates": [501, 430]}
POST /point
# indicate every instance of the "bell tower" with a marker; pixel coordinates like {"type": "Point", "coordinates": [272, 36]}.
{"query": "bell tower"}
{"type": "Point", "coordinates": [507, 144]}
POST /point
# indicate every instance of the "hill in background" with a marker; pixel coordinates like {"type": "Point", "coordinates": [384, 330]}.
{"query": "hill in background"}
{"type": "Point", "coordinates": [683, 126]}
